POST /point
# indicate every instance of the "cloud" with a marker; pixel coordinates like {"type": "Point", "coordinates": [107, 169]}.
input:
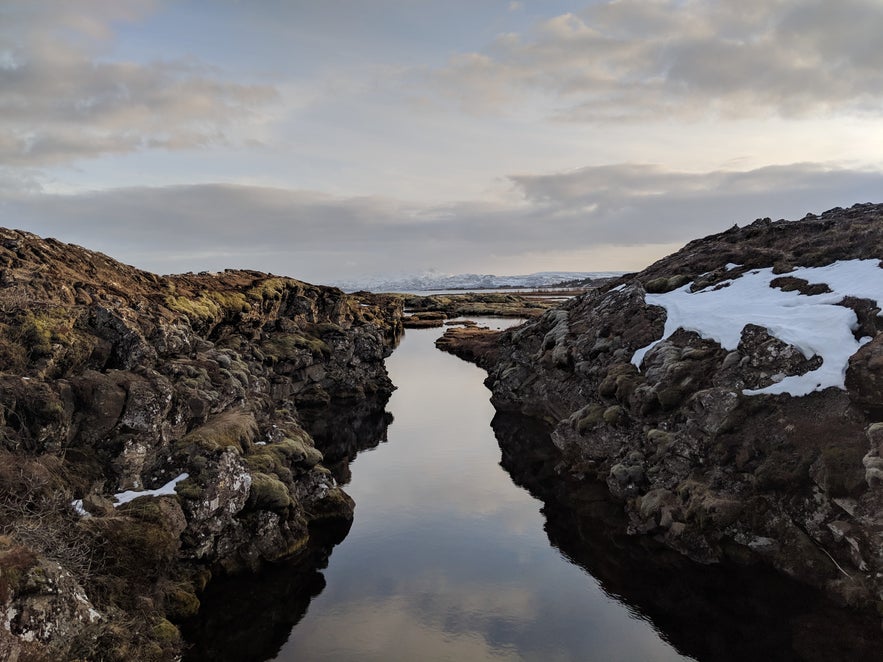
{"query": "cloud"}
{"type": "Point", "coordinates": [622, 210]}
{"type": "Point", "coordinates": [657, 59]}
{"type": "Point", "coordinates": [62, 100]}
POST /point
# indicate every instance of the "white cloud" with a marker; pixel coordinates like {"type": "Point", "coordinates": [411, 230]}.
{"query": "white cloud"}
{"type": "Point", "coordinates": [61, 100]}
{"type": "Point", "coordinates": [633, 213]}
{"type": "Point", "coordinates": [650, 60]}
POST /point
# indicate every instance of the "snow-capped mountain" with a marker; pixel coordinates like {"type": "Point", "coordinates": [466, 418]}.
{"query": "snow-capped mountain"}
{"type": "Point", "coordinates": [436, 281]}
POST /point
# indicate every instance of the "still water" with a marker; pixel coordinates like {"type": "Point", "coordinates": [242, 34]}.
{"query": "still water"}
{"type": "Point", "coordinates": [447, 559]}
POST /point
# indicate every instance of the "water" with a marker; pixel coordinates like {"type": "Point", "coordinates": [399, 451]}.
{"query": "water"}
{"type": "Point", "coordinates": [447, 559]}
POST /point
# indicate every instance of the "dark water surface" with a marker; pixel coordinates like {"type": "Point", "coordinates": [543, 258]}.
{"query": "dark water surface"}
{"type": "Point", "coordinates": [447, 559]}
{"type": "Point", "coordinates": [461, 551]}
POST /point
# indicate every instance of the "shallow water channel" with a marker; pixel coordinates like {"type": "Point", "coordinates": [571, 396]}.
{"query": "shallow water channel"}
{"type": "Point", "coordinates": [447, 558]}
{"type": "Point", "coordinates": [467, 546]}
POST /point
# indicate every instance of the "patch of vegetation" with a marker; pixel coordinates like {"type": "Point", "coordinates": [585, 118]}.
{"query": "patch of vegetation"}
{"type": "Point", "coordinates": [270, 289]}
{"type": "Point", "coordinates": [589, 417]}
{"type": "Point", "coordinates": [282, 346]}
{"type": "Point", "coordinates": [232, 429]}
{"type": "Point", "coordinates": [666, 284]}
{"type": "Point", "coordinates": [209, 306]}
{"type": "Point", "coordinates": [268, 492]}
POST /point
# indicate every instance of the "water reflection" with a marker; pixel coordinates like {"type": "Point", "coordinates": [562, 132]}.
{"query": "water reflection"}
{"type": "Point", "coordinates": [709, 612]}
{"type": "Point", "coordinates": [447, 559]}
{"type": "Point", "coordinates": [247, 618]}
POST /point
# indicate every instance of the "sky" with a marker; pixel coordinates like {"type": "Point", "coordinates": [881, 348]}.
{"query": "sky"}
{"type": "Point", "coordinates": [343, 139]}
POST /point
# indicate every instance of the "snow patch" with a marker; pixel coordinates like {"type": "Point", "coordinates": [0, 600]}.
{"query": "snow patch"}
{"type": "Point", "coordinates": [77, 505]}
{"type": "Point", "coordinates": [166, 490]}
{"type": "Point", "coordinates": [814, 324]}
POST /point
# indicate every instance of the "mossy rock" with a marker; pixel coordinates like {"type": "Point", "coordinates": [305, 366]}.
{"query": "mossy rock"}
{"type": "Point", "coordinates": [165, 632]}
{"type": "Point", "coordinates": [298, 451]}
{"type": "Point", "coordinates": [284, 346]}
{"type": "Point", "coordinates": [269, 289]}
{"type": "Point", "coordinates": [189, 489]}
{"type": "Point", "coordinates": [589, 417]}
{"type": "Point", "coordinates": [232, 429]}
{"type": "Point", "coordinates": [180, 602]}
{"type": "Point", "coordinates": [268, 492]}
{"type": "Point", "coordinates": [614, 415]}
{"type": "Point", "coordinates": [262, 461]}
{"type": "Point", "coordinates": [621, 380]}
{"type": "Point", "coordinates": [336, 504]}
{"type": "Point", "coordinates": [277, 457]}
{"type": "Point", "coordinates": [666, 284]}
{"type": "Point", "coordinates": [660, 440]}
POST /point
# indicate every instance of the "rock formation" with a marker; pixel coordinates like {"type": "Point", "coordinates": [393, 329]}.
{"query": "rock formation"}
{"type": "Point", "coordinates": [691, 436]}
{"type": "Point", "coordinates": [115, 380]}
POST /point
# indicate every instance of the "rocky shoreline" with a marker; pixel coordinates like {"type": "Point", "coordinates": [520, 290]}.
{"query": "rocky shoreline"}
{"type": "Point", "coordinates": [116, 380]}
{"type": "Point", "coordinates": [692, 441]}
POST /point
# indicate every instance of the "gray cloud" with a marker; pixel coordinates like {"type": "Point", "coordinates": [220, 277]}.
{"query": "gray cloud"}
{"type": "Point", "coordinates": [61, 100]}
{"type": "Point", "coordinates": [636, 60]}
{"type": "Point", "coordinates": [319, 237]}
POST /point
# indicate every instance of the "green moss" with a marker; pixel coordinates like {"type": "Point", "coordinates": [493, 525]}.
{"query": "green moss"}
{"type": "Point", "coordinates": [589, 417]}
{"type": "Point", "coordinates": [201, 309]}
{"type": "Point", "coordinates": [270, 289]}
{"type": "Point", "coordinates": [614, 415]}
{"type": "Point", "coordinates": [276, 458]}
{"type": "Point", "coordinates": [180, 602]}
{"type": "Point", "coordinates": [620, 381]}
{"type": "Point", "coordinates": [297, 450]}
{"type": "Point", "coordinates": [189, 489]}
{"type": "Point", "coordinates": [235, 428]}
{"type": "Point", "coordinates": [37, 330]}
{"type": "Point", "coordinates": [231, 301]}
{"type": "Point", "coordinates": [209, 306]}
{"type": "Point", "coordinates": [281, 346]}
{"type": "Point", "coordinates": [659, 437]}
{"type": "Point", "coordinates": [165, 632]}
{"type": "Point", "coordinates": [666, 284]}
{"type": "Point", "coordinates": [262, 461]}
{"type": "Point", "coordinates": [268, 492]}
{"type": "Point", "coordinates": [326, 329]}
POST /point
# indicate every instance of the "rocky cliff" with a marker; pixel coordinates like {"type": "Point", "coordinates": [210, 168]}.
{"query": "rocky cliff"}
{"type": "Point", "coordinates": [152, 434]}
{"type": "Point", "coordinates": [729, 395]}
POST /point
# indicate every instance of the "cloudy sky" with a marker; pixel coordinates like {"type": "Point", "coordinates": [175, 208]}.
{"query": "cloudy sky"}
{"type": "Point", "coordinates": [330, 140]}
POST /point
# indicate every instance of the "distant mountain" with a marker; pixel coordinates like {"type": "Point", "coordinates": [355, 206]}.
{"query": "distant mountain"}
{"type": "Point", "coordinates": [435, 281]}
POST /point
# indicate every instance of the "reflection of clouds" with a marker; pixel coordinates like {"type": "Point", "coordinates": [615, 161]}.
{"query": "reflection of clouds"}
{"type": "Point", "coordinates": [436, 617]}
{"type": "Point", "coordinates": [442, 456]}
{"type": "Point", "coordinates": [385, 631]}
{"type": "Point", "coordinates": [447, 559]}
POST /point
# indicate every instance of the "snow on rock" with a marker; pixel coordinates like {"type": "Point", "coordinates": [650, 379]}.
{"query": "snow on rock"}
{"type": "Point", "coordinates": [165, 490]}
{"type": "Point", "coordinates": [812, 323]}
